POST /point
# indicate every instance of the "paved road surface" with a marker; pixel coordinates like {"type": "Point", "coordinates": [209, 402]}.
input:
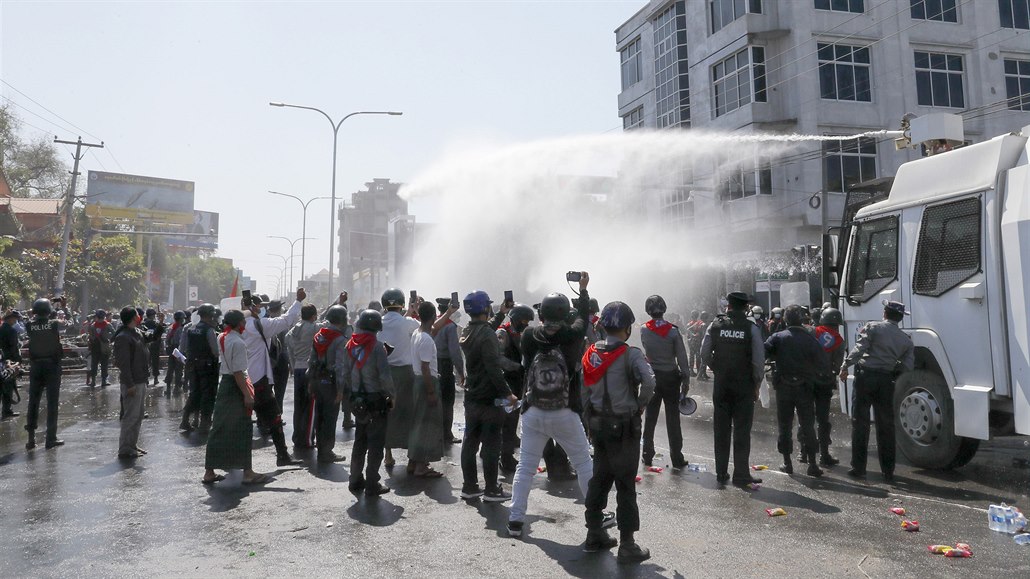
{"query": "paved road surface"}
{"type": "Point", "coordinates": [77, 511]}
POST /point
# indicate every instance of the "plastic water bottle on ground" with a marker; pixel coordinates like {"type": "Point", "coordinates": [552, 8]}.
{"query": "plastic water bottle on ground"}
{"type": "Point", "coordinates": [1022, 539]}
{"type": "Point", "coordinates": [996, 517]}
{"type": "Point", "coordinates": [695, 467]}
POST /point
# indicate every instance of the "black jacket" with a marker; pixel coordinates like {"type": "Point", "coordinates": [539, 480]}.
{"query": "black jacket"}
{"type": "Point", "coordinates": [484, 379]}
{"type": "Point", "coordinates": [571, 338]}
{"type": "Point", "coordinates": [798, 356]}
{"type": "Point", "coordinates": [130, 356]}
{"type": "Point", "coordinates": [9, 345]}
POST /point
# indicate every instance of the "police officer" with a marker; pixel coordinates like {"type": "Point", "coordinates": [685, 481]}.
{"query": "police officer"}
{"type": "Point", "coordinates": [619, 382]}
{"type": "Point", "coordinates": [328, 349]}
{"type": "Point", "coordinates": [510, 337]}
{"type": "Point", "coordinates": [45, 354]}
{"type": "Point", "coordinates": [799, 360]}
{"type": "Point", "coordinates": [833, 344]}
{"type": "Point", "coordinates": [202, 353]}
{"type": "Point", "coordinates": [153, 332]}
{"type": "Point", "coordinates": [664, 347]}
{"type": "Point", "coordinates": [881, 353]}
{"type": "Point", "coordinates": [10, 352]}
{"type": "Point", "coordinates": [733, 348]}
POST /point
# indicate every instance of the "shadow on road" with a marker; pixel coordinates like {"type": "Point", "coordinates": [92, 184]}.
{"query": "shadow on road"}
{"type": "Point", "coordinates": [579, 564]}
{"type": "Point", "coordinates": [375, 511]}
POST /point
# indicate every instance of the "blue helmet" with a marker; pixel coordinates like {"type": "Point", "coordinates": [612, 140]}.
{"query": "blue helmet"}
{"type": "Point", "coordinates": [616, 316]}
{"type": "Point", "coordinates": [477, 303]}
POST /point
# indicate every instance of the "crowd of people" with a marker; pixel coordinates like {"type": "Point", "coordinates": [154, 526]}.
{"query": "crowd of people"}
{"type": "Point", "coordinates": [588, 402]}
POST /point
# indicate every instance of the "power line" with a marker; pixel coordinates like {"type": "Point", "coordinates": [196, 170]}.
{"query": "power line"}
{"type": "Point", "coordinates": [35, 114]}
{"type": "Point", "coordinates": [79, 129]}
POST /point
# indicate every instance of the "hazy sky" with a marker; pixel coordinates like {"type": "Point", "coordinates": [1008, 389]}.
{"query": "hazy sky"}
{"type": "Point", "coordinates": [181, 90]}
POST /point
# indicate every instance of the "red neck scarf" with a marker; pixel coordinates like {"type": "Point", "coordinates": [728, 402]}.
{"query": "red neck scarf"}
{"type": "Point", "coordinates": [226, 332]}
{"type": "Point", "coordinates": [323, 339]}
{"type": "Point", "coordinates": [175, 326]}
{"type": "Point", "coordinates": [660, 327]}
{"type": "Point", "coordinates": [100, 325]}
{"type": "Point", "coordinates": [829, 338]}
{"type": "Point", "coordinates": [596, 363]}
{"type": "Point", "coordinates": [359, 347]}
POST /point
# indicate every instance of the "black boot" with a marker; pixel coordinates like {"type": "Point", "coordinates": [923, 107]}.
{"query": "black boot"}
{"type": "Point", "coordinates": [787, 466]}
{"type": "Point", "coordinates": [802, 458]}
{"type": "Point", "coordinates": [598, 540]}
{"type": "Point", "coordinates": [813, 468]}
{"type": "Point", "coordinates": [826, 459]}
{"type": "Point", "coordinates": [32, 440]}
{"type": "Point", "coordinates": [631, 552]}
{"type": "Point", "coordinates": [282, 452]}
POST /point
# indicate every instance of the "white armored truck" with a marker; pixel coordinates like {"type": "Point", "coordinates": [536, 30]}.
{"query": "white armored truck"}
{"type": "Point", "coordinates": [952, 241]}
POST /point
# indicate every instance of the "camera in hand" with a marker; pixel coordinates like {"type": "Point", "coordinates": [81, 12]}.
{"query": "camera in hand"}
{"type": "Point", "coordinates": [574, 276]}
{"type": "Point", "coordinates": [247, 300]}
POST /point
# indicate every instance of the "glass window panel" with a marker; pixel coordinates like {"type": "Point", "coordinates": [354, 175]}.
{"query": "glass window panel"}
{"type": "Point", "coordinates": [845, 83]}
{"type": "Point", "coordinates": [939, 86]}
{"type": "Point", "coordinates": [862, 55]}
{"type": "Point", "coordinates": [863, 91]}
{"type": "Point", "coordinates": [839, 5]}
{"type": "Point", "coordinates": [825, 51]}
{"type": "Point", "coordinates": [938, 61]}
{"type": "Point", "coordinates": [1024, 67]}
{"type": "Point", "coordinates": [954, 62]}
{"type": "Point", "coordinates": [922, 60]}
{"type": "Point", "coordinates": [955, 90]}
{"type": "Point", "coordinates": [918, 10]}
{"type": "Point", "coordinates": [1011, 66]}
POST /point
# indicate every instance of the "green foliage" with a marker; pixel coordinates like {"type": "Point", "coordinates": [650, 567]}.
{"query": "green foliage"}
{"type": "Point", "coordinates": [34, 167]}
{"type": "Point", "coordinates": [213, 277]}
{"type": "Point", "coordinates": [114, 270]}
{"type": "Point", "coordinates": [16, 283]}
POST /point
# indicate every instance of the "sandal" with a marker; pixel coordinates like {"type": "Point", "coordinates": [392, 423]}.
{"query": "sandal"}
{"type": "Point", "coordinates": [429, 473]}
{"type": "Point", "coordinates": [258, 480]}
{"type": "Point", "coordinates": [209, 482]}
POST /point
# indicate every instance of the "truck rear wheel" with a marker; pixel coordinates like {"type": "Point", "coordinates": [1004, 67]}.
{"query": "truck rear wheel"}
{"type": "Point", "coordinates": [925, 423]}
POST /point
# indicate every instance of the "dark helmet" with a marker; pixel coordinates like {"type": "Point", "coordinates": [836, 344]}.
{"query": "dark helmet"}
{"type": "Point", "coordinates": [179, 316]}
{"type": "Point", "coordinates": [206, 311]}
{"type": "Point", "coordinates": [616, 316]}
{"type": "Point", "coordinates": [694, 314]}
{"type": "Point", "coordinates": [555, 308]}
{"type": "Point", "coordinates": [655, 306]}
{"type": "Point", "coordinates": [233, 318]}
{"type": "Point", "coordinates": [370, 321]}
{"type": "Point", "coordinates": [42, 307]}
{"type": "Point", "coordinates": [521, 313]}
{"type": "Point", "coordinates": [375, 306]}
{"type": "Point", "coordinates": [151, 312]}
{"type": "Point", "coordinates": [593, 307]}
{"type": "Point", "coordinates": [100, 314]}
{"type": "Point", "coordinates": [477, 303]}
{"type": "Point", "coordinates": [393, 298]}
{"type": "Point", "coordinates": [831, 317]}
{"type": "Point", "coordinates": [337, 315]}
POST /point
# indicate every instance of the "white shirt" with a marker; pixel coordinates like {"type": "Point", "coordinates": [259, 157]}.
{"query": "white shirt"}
{"type": "Point", "coordinates": [397, 331]}
{"type": "Point", "coordinates": [423, 349]}
{"type": "Point", "coordinates": [260, 365]}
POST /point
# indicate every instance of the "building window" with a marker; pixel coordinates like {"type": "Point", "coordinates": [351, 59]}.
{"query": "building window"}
{"type": "Point", "coordinates": [848, 162]}
{"type": "Point", "coordinates": [872, 259]}
{"type": "Point", "coordinates": [677, 207]}
{"type": "Point", "coordinates": [1015, 13]}
{"type": "Point", "coordinates": [746, 179]}
{"type": "Point", "coordinates": [844, 72]}
{"type": "Point", "coordinates": [631, 69]}
{"type": "Point", "coordinates": [722, 12]}
{"type": "Point", "coordinates": [1017, 84]}
{"type": "Point", "coordinates": [949, 247]}
{"type": "Point", "coordinates": [734, 77]}
{"type": "Point", "coordinates": [633, 119]}
{"type": "Point", "coordinates": [939, 80]}
{"type": "Point", "coordinates": [857, 6]}
{"type": "Point", "coordinates": [672, 87]}
{"type": "Point", "coordinates": [939, 10]}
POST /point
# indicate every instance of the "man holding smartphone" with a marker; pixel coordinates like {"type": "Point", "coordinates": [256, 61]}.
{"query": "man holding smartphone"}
{"type": "Point", "coordinates": [450, 363]}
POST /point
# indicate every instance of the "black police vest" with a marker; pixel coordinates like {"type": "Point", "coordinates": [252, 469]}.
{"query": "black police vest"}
{"type": "Point", "coordinates": [731, 336]}
{"type": "Point", "coordinates": [200, 350]}
{"type": "Point", "coordinates": [44, 339]}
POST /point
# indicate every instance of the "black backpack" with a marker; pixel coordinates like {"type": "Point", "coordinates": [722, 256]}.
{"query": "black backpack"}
{"type": "Point", "coordinates": [548, 381]}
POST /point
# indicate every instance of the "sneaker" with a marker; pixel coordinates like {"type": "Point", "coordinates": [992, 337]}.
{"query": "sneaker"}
{"type": "Point", "coordinates": [607, 520]}
{"type": "Point", "coordinates": [598, 541]}
{"type": "Point", "coordinates": [515, 529]}
{"type": "Point", "coordinates": [471, 492]}
{"type": "Point", "coordinates": [497, 495]}
{"type": "Point", "coordinates": [632, 553]}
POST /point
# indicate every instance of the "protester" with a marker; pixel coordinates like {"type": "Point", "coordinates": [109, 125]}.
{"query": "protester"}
{"type": "Point", "coordinates": [452, 368]}
{"type": "Point", "coordinates": [299, 340]}
{"type": "Point", "coordinates": [229, 445]}
{"type": "Point", "coordinates": [10, 353]}
{"type": "Point", "coordinates": [131, 355]}
{"type": "Point", "coordinates": [100, 334]}
{"type": "Point", "coordinates": [396, 334]}
{"type": "Point", "coordinates": [173, 375]}
{"type": "Point", "coordinates": [279, 356]}
{"type": "Point", "coordinates": [153, 331]}
{"type": "Point", "coordinates": [509, 337]}
{"type": "Point", "coordinates": [425, 443]}
{"type": "Point", "coordinates": [370, 389]}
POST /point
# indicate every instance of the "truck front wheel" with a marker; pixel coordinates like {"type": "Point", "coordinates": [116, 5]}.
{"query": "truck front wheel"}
{"type": "Point", "coordinates": [925, 423]}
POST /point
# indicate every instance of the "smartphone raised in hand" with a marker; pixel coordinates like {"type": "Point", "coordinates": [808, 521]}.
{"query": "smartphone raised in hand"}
{"type": "Point", "coordinates": [509, 297]}
{"type": "Point", "coordinates": [574, 276]}
{"type": "Point", "coordinates": [455, 302]}
{"type": "Point", "coordinates": [412, 296]}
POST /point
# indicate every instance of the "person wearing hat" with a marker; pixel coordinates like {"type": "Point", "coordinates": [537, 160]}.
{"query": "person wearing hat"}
{"type": "Point", "coordinates": [451, 366]}
{"type": "Point", "coordinates": [201, 353]}
{"type": "Point", "coordinates": [663, 344]}
{"type": "Point", "coordinates": [45, 354]}
{"type": "Point", "coordinates": [10, 353]}
{"type": "Point", "coordinates": [299, 341]}
{"type": "Point", "coordinates": [174, 373]}
{"type": "Point", "coordinates": [101, 333]}
{"type": "Point", "coordinates": [882, 352]}
{"type": "Point", "coordinates": [733, 349]}
{"type": "Point", "coordinates": [832, 343]}
{"type": "Point", "coordinates": [131, 355]}
{"type": "Point", "coordinates": [154, 331]}
{"type": "Point", "coordinates": [618, 382]}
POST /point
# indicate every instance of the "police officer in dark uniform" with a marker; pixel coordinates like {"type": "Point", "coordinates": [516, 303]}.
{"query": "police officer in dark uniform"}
{"type": "Point", "coordinates": [153, 330]}
{"type": "Point", "coordinates": [733, 348]}
{"type": "Point", "coordinates": [45, 354]}
{"type": "Point", "coordinates": [881, 353]}
{"type": "Point", "coordinates": [799, 362]}
{"type": "Point", "coordinates": [832, 343]}
{"type": "Point", "coordinates": [203, 357]}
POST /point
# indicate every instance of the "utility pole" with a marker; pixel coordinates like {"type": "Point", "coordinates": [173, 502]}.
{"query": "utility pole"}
{"type": "Point", "coordinates": [68, 205]}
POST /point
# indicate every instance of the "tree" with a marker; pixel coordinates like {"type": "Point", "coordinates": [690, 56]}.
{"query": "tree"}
{"type": "Point", "coordinates": [16, 283]}
{"type": "Point", "coordinates": [213, 277]}
{"type": "Point", "coordinates": [33, 167]}
{"type": "Point", "coordinates": [114, 270]}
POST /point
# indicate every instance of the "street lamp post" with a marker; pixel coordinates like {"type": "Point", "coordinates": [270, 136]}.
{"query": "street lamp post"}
{"type": "Point", "coordinates": [336, 134]}
{"type": "Point", "coordinates": [304, 226]}
{"type": "Point", "coordinates": [285, 260]}
{"type": "Point", "coordinates": [292, 255]}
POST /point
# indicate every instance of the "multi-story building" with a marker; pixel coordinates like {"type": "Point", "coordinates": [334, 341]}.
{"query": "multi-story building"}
{"type": "Point", "coordinates": [364, 236]}
{"type": "Point", "coordinates": [811, 67]}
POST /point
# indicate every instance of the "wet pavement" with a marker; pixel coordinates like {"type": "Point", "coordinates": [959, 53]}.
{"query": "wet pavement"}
{"type": "Point", "coordinates": [78, 511]}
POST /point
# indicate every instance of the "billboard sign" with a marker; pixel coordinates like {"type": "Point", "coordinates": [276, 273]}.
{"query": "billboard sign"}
{"type": "Point", "coordinates": [153, 199]}
{"type": "Point", "coordinates": [204, 223]}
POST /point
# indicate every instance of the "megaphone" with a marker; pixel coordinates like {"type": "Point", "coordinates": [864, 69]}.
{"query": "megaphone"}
{"type": "Point", "coordinates": [687, 405]}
